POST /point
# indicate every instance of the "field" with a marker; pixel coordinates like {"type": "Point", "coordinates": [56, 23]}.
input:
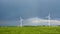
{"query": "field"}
{"type": "Point", "coordinates": [29, 30]}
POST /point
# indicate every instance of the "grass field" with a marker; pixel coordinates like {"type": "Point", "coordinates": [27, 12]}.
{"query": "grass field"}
{"type": "Point", "coordinates": [30, 30]}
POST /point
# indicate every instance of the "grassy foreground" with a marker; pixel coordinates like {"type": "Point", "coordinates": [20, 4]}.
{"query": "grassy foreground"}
{"type": "Point", "coordinates": [30, 30]}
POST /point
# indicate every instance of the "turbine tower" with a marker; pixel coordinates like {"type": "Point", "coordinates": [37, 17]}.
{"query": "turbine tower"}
{"type": "Point", "coordinates": [21, 21]}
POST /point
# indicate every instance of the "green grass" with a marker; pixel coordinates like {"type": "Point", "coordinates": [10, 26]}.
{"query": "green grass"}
{"type": "Point", "coordinates": [29, 30]}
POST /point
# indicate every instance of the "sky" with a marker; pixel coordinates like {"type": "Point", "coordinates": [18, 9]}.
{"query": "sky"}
{"type": "Point", "coordinates": [11, 10]}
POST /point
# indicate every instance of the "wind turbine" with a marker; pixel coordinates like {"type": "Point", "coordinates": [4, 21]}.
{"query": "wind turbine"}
{"type": "Point", "coordinates": [21, 21]}
{"type": "Point", "coordinates": [49, 19]}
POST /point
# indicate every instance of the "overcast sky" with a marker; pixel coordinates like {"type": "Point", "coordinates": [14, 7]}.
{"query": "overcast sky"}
{"type": "Point", "coordinates": [13, 9]}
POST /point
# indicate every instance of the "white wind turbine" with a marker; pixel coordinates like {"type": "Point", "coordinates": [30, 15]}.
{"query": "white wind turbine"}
{"type": "Point", "coordinates": [21, 21]}
{"type": "Point", "coordinates": [49, 19]}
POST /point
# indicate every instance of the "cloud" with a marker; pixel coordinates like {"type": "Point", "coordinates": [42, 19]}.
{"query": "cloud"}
{"type": "Point", "coordinates": [39, 21]}
{"type": "Point", "coordinates": [31, 21]}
